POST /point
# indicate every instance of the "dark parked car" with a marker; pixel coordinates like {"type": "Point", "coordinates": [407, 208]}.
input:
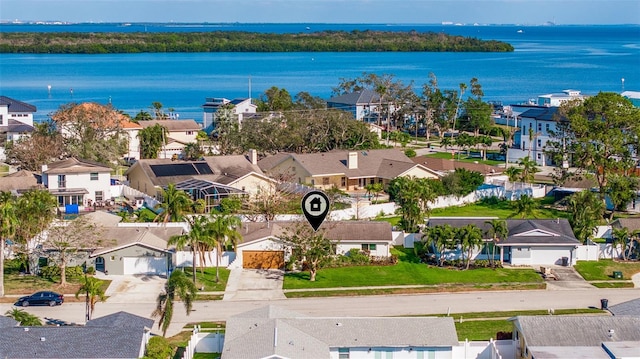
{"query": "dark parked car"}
{"type": "Point", "coordinates": [41, 298]}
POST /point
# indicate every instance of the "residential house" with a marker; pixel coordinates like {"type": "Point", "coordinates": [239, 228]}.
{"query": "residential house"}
{"type": "Point", "coordinates": [179, 133]}
{"type": "Point", "coordinates": [241, 107]}
{"type": "Point", "coordinates": [631, 307]}
{"type": "Point", "coordinates": [536, 128]}
{"type": "Point", "coordinates": [118, 335]}
{"type": "Point", "coordinates": [559, 98]}
{"type": "Point", "coordinates": [529, 241]}
{"type": "Point", "coordinates": [365, 105]}
{"type": "Point", "coordinates": [272, 332]}
{"type": "Point", "coordinates": [19, 182]}
{"type": "Point", "coordinates": [346, 170]}
{"type": "Point", "coordinates": [576, 337]}
{"type": "Point", "coordinates": [77, 183]}
{"type": "Point", "coordinates": [16, 121]}
{"type": "Point", "coordinates": [261, 246]}
{"type": "Point", "coordinates": [445, 166]}
{"type": "Point", "coordinates": [211, 179]}
{"type": "Point", "coordinates": [633, 96]}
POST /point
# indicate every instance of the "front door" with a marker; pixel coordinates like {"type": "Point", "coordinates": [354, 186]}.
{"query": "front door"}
{"type": "Point", "coordinates": [100, 264]}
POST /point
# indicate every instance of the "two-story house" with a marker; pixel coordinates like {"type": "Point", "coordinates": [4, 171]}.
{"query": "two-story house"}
{"type": "Point", "coordinates": [77, 183]}
{"type": "Point", "coordinates": [365, 105]}
{"type": "Point", "coordinates": [179, 133]}
{"type": "Point", "coordinates": [241, 108]}
{"type": "Point", "coordinates": [16, 121]}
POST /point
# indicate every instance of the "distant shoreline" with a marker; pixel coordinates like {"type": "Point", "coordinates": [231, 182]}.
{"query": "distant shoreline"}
{"type": "Point", "coordinates": [240, 41]}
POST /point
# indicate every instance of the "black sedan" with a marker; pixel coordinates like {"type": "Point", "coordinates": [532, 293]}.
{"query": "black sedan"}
{"type": "Point", "coordinates": [41, 298]}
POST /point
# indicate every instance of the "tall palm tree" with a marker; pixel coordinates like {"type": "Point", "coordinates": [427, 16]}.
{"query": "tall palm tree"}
{"type": "Point", "coordinates": [470, 237]}
{"type": "Point", "coordinates": [198, 235]}
{"type": "Point", "coordinates": [178, 284]}
{"type": "Point", "coordinates": [174, 204]}
{"type": "Point", "coordinates": [8, 225]}
{"type": "Point", "coordinates": [498, 231]}
{"type": "Point", "coordinates": [513, 173]}
{"type": "Point", "coordinates": [620, 238]}
{"type": "Point", "coordinates": [441, 238]}
{"type": "Point", "coordinates": [223, 229]}
{"type": "Point", "coordinates": [92, 287]}
{"type": "Point", "coordinates": [525, 206]}
{"type": "Point", "coordinates": [529, 169]}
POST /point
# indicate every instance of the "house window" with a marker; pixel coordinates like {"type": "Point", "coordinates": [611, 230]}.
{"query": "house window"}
{"type": "Point", "coordinates": [94, 176]}
{"type": "Point", "coordinates": [112, 258]}
{"type": "Point", "coordinates": [343, 353]}
{"type": "Point", "coordinates": [539, 156]}
{"type": "Point", "coordinates": [313, 182]}
{"type": "Point", "coordinates": [343, 181]}
{"type": "Point", "coordinates": [368, 246]}
{"type": "Point", "coordinates": [539, 143]}
{"type": "Point", "coordinates": [1, 120]}
{"type": "Point", "coordinates": [546, 127]}
{"type": "Point", "coordinates": [189, 133]}
{"type": "Point", "coordinates": [99, 196]}
{"type": "Point", "coordinates": [62, 181]}
{"type": "Point", "coordinates": [539, 127]}
{"type": "Point", "coordinates": [325, 181]}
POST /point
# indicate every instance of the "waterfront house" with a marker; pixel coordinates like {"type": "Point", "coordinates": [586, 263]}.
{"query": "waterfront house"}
{"type": "Point", "coordinates": [16, 121]}
{"type": "Point", "coordinates": [241, 107]}
{"type": "Point", "coordinates": [179, 134]}
{"type": "Point", "coordinates": [346, 170]}
{"type": "Point", "coordinates": [365, 105]}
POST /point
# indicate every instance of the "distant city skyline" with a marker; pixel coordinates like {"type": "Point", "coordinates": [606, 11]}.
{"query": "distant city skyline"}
{"type": "Point", "coordinates": [524, 12]}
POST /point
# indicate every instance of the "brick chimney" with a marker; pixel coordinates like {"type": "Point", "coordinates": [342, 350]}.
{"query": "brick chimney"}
{"type": "Point", "coordinates": [352, 161]}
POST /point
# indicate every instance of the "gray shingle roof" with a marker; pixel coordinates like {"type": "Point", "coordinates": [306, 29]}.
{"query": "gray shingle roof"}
{"type": "Point", "coordinates": [6, 322]}
{"type": "Point", "coordinates": [356, 98]}
{"type": "Point", "coordinates": [16, 106]}
{"type": "Point", "coordinates": [341, 231]}
{"type": "Point", "coordinates": [298, 336]}
{"type": "Point", "coordinates": [558, 330]}
{"type": "Point", "coordinates": [631, 307]}
{"type": "Point", "coordinates": [543, 113]}
{"type": "Point", "coordinates": [120, 237]}
{"type": "Point", "coordinates": [118, 335]}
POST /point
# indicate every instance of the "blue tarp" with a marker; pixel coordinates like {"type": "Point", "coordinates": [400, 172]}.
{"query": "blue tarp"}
{"type": "Point", "coordinates": [71, 209]}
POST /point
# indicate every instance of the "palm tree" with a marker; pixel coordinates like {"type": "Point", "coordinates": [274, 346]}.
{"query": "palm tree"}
{"type": "Point", "coordinates": [470, 237]}
{"type": "Point", "coordinates": [587, 209]}
{"type": "Point", "coordinates": [92, 287]}
{"type": "Point", "coordinates": [223, 229]}
{"type": "Point", "coordinates": [620, 237]}
{"type": "Point", "coordinates": [529, 169]}
{"type": "Point", "coordinates": [513, 173]}
{"type": "Point", "coordinates": [178, 284]}
{"type": "Point", "coordinates": [498, 231]}
{"type": "Point", "coordinates": [25, 319]}
{"type": "Point", "coordinates": [8, 225]}
{"type": "Point", "coordinates": [525, 206]}
{"type": "Point", "coordinates": [174, 203]}
{"type": "Point", "coordinates": [441, 238]}
{"type": "Point", "coordinates": [197, 236]}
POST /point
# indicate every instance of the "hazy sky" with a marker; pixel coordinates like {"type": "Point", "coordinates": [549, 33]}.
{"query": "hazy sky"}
{"type": "Point", "coordinates": [329, 11]}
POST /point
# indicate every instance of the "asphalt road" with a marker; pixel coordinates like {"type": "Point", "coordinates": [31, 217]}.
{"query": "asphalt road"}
{"type": "Point", "coordinates": [387, 305]}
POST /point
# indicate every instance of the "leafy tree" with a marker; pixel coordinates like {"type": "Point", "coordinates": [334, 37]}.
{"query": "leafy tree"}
{"type": "Point", "coordinates": [305, 101]}
{"type": "Point", "coordinates": [177, 284]}
{"type": "Point", "coordinates": [477, 112]}
{"type": "Point", "coordinates": [91, 287]}
{"type": "Point", "coordinates": [275, 99]}
{"type": "Point", "coordinates": [470, 238]}
{"type": "Point", "coordinates": [498, 231]}
{"type": "Point", "coordinates": [174, 204]}
{"type": "Point", "coordinates": [586, 209]}
{"type": "Point", "coordinates": [142, 116]}
{"type": "Point", "coordinates": [601, 134]}
{"type": "Point", "coordinates": [35, 211]}
{"type": "Point", "coordinates": [308, 246]}
{"type": "Point", "coordinates": [92, 131]}
{"type": "Point", "coordinates": [525, 206]}
{"type": "Point", "coordinates": [412, 195]}
{"type": "Point", "coordinates": [193, 151]}
{"type": "Point", "coordinates": [44, 146]}
{"type": "Point", "coordinates": [230, 205]}
{"type": "Point", "coordinates": [621, 190]}
{"type": "Point", "coordinates": [227, 131]}
{"type": "Point", "coordinates": [25, 319]}
{"type": "Point", "coordinates": [65, 241]}
{"type": "Point", "coordinates": [152, 139]}
{"type": "Point", "coordinates": [461, 182]}
{"type": "Point", "coordinates": [158, 348]}
{"type": "Point", "coordinates": [8, 225]}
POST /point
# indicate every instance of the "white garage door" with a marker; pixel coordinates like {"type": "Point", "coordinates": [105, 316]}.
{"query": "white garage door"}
{"type": "Point", "coordinates": [145, 265]}
{"type": "Point", "coordinates": [549, 255]}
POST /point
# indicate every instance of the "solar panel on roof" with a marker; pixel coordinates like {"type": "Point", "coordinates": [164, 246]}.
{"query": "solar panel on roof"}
{"type": "Point", "coordinates": [203, 168]}
{"type": "Point", "coordinates": [174, 169]}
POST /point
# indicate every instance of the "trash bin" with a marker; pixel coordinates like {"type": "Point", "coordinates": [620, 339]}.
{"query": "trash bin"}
{"type": "Point", "coordinates": [604, 304]}
{"type": "Point", "coordinates": [617, 275]}
{"type": "Point", "coordinates": [565, 261]}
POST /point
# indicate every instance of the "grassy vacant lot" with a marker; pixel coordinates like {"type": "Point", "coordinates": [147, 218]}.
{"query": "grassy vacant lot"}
{"type": "Point", "coordinates": [408, 271]}
{"type": "Point", "coordinates": [603, 269]}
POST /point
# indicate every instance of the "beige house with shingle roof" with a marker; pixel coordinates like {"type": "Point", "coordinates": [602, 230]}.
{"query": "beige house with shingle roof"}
{"type": "Point", "coordinates": [346, 170]}
{"type": "Point", "coordinates": [179, 133]}
{"type": "Point", "coordinates": [19, 182]}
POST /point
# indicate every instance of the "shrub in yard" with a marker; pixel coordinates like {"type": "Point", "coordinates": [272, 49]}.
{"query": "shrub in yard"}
{"type": "Point", "coordinates": [91, 270]}
{"type": "Point", "coordinates": [158, 348]}
{"type": "Point", "coordinates": [54, 271]}
{"type": "Point", "coordinates": [481, 263]}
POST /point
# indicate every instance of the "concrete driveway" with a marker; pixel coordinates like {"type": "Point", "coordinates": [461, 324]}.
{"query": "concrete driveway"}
{"type": "Point", "coordinates": [568, 278]}
{"type": "Point", "coordinates": [254, 284]}
{"type": "Point", "coordinates": [134, 288]}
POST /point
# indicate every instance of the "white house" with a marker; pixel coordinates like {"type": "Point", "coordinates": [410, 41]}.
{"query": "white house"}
{"type": "Point", "coordinates": [77, 183]}
{"type": "Point", "coordinates": [536, 128]}
{"type": "Point", "coordinates": [273, 332]}
{"type": "Point", "coordinates": [557, 99]}
{"type": "Point", "coordinates": [241, 107]}
{"type": "Point", "coordinates": [365, 105]}
{"type": "Point", "coordinates": [179, 133]}
{"type": "Point", "coordinates": [16, 110]}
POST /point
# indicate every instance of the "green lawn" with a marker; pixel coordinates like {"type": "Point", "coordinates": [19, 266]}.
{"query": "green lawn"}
{"type": "Point", "coordinates": [407, 272]}
{"type": "Point", "coordinates": [208, 279]}
{"type": "Point", "coordinates": [463, 158]}
{"type": "Point", "coordinates": [501, 209]}
{"type": "Point", "coordinates": [603, 269]}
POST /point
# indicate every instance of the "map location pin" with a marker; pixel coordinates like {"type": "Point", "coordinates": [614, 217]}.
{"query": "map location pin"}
{"type": "Point", "coordinates": [315, 206]}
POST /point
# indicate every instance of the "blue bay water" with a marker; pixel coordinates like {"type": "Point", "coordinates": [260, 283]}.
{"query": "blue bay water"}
{"type": "Point", "coordinates": [546, 59]}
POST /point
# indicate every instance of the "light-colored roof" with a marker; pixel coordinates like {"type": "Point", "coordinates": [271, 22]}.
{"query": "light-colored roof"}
{"type": "Point", "coordinates": [574, 331]}
{"type": "Point", "coordinates": [103, 218]}
{"type": "Point", "coordinates": [568, 353]}
{"type": "Point", "coordinates": [340, 231]}
{"type": "Point", "coordinates": [631, 307]}
{"type": "Point", "coordinates": [632, 224]}
{"type": "Point", "coordinates": [75, 165]}
{"type": "Point", "coordinates": [19, 181]}
{"type": "Point", "coordinates": [450, 165]}
{"type": "Point", "coordinates": [114, 238]}
{"type": "Point", "coordinates": [382, 163]}
{"type": "Point", "coordinates": [173, 125]}
{"type": "Point", "coordinates": [298, 336]}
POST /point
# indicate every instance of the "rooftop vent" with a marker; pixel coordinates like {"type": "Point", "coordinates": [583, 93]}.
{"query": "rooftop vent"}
{"type": "Point", "coordinates": [42, 339]}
